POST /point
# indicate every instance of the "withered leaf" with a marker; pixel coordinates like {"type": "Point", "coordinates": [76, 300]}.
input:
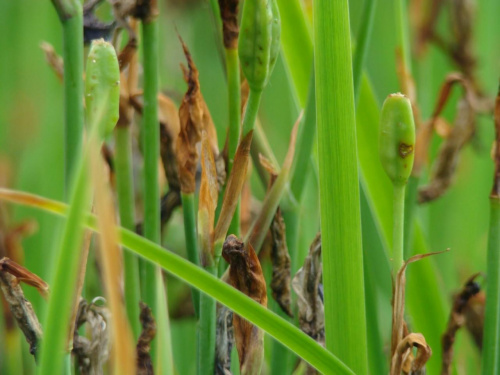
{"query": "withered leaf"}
{"type": "Point", "coordinates": [10, 275]}
{"type": "Point", "coordinates": [225, 340]}
{"type": "Point", "coordinates": [456, 320]}
{"type": "Point", "coordinates": [230, 27]}
{"type": "Point", "coordinates": [245, 274]}
{"type": "Point", "coordinates": [403, 359]}
{"type": "Point", "coordinates": [280, 283]}
{"type": "Point", "coordinates": [144, 363]}
{"type": "Point", "coordinates": [91, 353]}
{"type": "Point", "coordinates": [207, 202]}
{"type": "Point", "coordinates": [234, 186]}
{"type": "Point", "coordinates": [398, 337]}
{"type": "Point", "coordinates": [306, 284]}
{"type": "Point", "coordinates": [53, 59]}
{"type": "Point", "coordinates": [474, 317]}
{"type": "Point", "coordinates": [194, 118]}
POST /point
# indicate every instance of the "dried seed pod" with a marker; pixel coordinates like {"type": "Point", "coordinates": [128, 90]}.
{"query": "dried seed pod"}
{"type": "Point", "coordinates": [397, 138]}
{"type": "Point", "coordinates": [102, 87]}
{"type": "Point", "coordinates": [254, 46]}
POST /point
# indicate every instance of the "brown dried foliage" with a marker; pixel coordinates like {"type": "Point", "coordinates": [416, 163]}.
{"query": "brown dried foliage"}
{"type": "Point", "coordinates": [91, 353]}
{"type": "Point", "coordinates": [53, 59]}
{"type": "Point", "coordinates": [230, 27]}
{"type": "Point", "coordinates": [194, 118]}
{"type": "Point", "coordinates": [402, 341]}
{"type": "Point", "coordinates": [10, 275]}
{"type": "Point", "coordinates": [207, 202]}
{"type": "Point", "coordinates": [225, 340]}
{"type": "Point", "coordinates": [245, 274]}
{"type": "Point", "coordinates": [456, 320]}
{"type": "Point", "coordinates": [306, 284]}
{"type": "Point", "coordinates": [144, 363]}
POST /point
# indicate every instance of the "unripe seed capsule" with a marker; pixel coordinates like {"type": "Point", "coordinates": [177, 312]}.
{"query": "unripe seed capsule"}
{"type": "Point", "coordinates": [102, 87]}
{"type": "Point", "coordinates": [254, 45]}
{"type": "Point", "coordinates": [397, 138]}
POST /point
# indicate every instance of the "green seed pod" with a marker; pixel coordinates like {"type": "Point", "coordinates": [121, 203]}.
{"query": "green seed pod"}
{"type": "Point", "coordinates": [102, 87]}
{"type": "Point", "coordinates": [254, 45]}
{"type": "Point", "coordinates": [276, 39]}
{"type": "Point", "coordinates": [397, 138]}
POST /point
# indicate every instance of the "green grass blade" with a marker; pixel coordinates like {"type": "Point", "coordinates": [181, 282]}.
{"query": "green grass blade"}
{"type": "Point", "coordinates": [345, 322]}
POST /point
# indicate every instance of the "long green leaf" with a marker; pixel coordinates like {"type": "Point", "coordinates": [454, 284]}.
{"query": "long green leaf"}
{"type": "Point", "coordinates": [345, 321]}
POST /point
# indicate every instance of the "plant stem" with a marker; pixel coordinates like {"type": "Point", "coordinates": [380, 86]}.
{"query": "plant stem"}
{"type": "Point", "coordinates": [402, 34]}
{"type": "Point", "coordinates": [251, 111]}
{"type": "Point", "coordinates": [189, 213]}
{"type": "Point", "coordinates": [234, 91]}
{"type": "Point", "coordinates": [409, 214]}
{"type": "Point", "coordinates": [491, 341]}
{"type": "Point", "coordinates": [206, 331]}
{"type": "Point", "coordinates": [362, 42]}
{"type": "Point", "coordinates": [151, 149]}
{"type": "Point", "coordinates": [345, 322]}
{"type": "Point", "coordinates": [73, 92]}
{"type": "Point", "coordinates": [398, 228]}
{"type": "Point", "coordinates": [126, 204]}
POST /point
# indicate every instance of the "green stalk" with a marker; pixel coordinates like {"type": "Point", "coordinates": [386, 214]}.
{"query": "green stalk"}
{"type": "Point", "coordinates": [345, 322]}
{"type": "Point", "coordinates": [410, 211]}
{"type": "Point", "coordinates": [251, 111]}
{"type": "Point", "coordinates": [491, 341]}
{"type": "Point", "coordinates": [151, 155]}
{"type": "Point", "coordinates": [189, 213]}
{"type": "Point", "coordinates": [362, 42]}
{"type": "Point", "coordinates": [65, 269]}
{"type": "Point", "coordinates": [402, 34]}
{"type": "Point", "coordinates": [234, 91]}
{"type": "Point", "coordinates": [206, 331]}
{"type": "Point", "coordinates": [126, 206]}
{"type": "Point", "coordinates": [291, 336]}
{"type": "Point", "coordinates": [71, 16]}
{"type": "Point", "coordinates": [398, 227]}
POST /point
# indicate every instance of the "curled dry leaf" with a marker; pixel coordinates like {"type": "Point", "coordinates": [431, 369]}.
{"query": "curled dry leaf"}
{"type": "Point", "coordinates": [474, 317]}
{"type": "Point", "coordinates": [403, 359]}
{"type": "Point", "coordinates": [306, 284]}
{"type": "Point", "coordinates": [230, 27]}
{"type": "Point", "coordinates": [456, 320]}
{"type": "Point", "coordinates": [91, 353]}
{"type": "Point", "coordinates": [234, 186]}
{"type": "Point", "coordinates": [194, 118]}
{"type": "Point", "coordinates": [207, 202]}
{"type": "Point", "coordinates": [20, 308]}
{"type": "Point", "coordinates": [398, 335]}
{"type": "Point", "coordinates": [245, 274]}
{"type": "Point", "coordinates": [144, 363]}
{"type": "Point", "coordinates": [225, 340]}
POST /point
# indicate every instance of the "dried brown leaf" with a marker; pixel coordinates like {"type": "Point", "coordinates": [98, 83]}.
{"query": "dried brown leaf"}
{"type": "Point", "coordinates": [230, 27]}
{"type": "Point", "coordinates": [282, 264]}
{"type": "Point", "coordinates": [398, 309]}
{"type": "Point", "coordinates": [245, 274]}
{"type": "Point", "coordinates": [91, 353]}
{"type": "Point", "coordinates": [207, 202]}
{"type": "Point", "coordinates": [194, 118]}
{"type": "Point", "coordinates": [403, 359]}
{"type": "Point", "coordinates": [456, 321]}
{"type": "Point", "coordinates": [225, 340]}
{"type": "Point", "coordinates": [110, 257]}
{"type": "Point", "coordinates": [234, 186]}
{"type": "Point", "coordinates": [474, 317]}
{"type": "Point", "coordinates": [306, 285]}
{"type": "Point", "coordinates": [144, 363]}
{"type": "Point", "coordinates": [20, 308]}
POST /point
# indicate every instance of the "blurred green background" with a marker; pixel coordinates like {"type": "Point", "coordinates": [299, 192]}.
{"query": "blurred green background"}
{"type": "Point", "coordinates": [31, 152]}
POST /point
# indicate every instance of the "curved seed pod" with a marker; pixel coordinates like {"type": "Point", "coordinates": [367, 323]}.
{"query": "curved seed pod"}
{"type": "Point", "coordinates": [397, 138]}
{"type": "Point", "coordinates": [102, 87]}
{"type": "Point", "coordinates": [276, 38]}
{"type": "Point", "coordinates": [254, 46]}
